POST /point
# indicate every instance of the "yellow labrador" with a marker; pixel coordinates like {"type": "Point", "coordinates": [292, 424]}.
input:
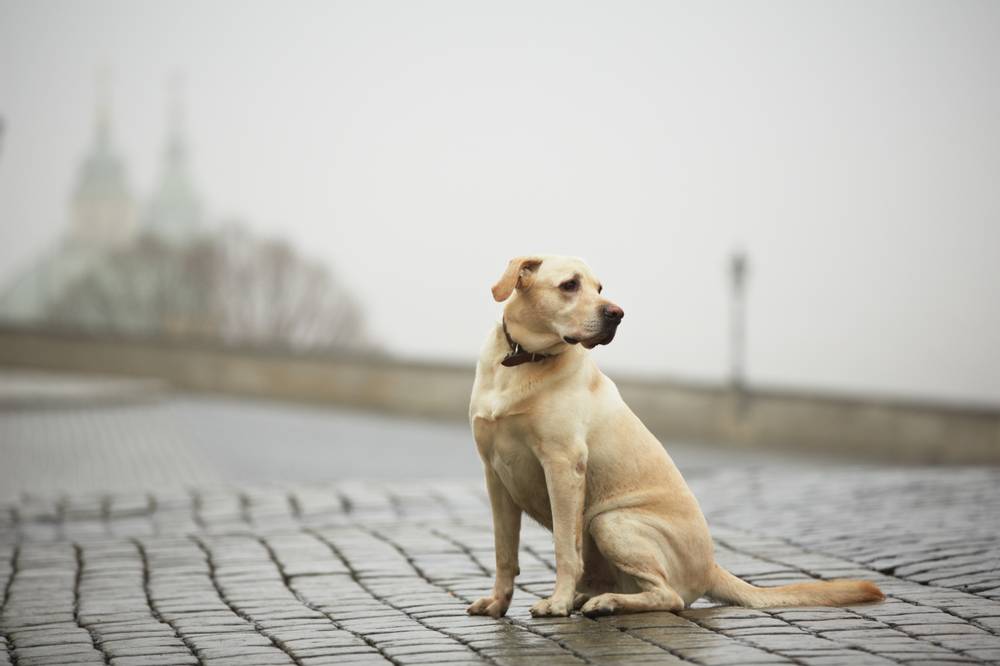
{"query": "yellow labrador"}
{"type": "Point", "coordinates": [559, 444]}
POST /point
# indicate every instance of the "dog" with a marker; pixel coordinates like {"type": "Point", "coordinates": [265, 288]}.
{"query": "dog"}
{"type": "Point", "coordinates": [559, 444]}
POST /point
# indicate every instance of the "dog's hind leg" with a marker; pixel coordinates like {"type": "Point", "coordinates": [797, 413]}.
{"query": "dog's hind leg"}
{"type": "Point", "coordinates": [631, 546]}
{"type": "Point", "coordinates": [598, 576]}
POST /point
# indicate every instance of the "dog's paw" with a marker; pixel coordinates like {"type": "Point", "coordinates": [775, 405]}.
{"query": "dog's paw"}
{"type": "Point", "coordinates": [580, 599]}
{"type": "Point", "coordinates": [493, 606]}
{"type": "Point", "coordinates": [604, 604]}
{"type": "Point", "coordinates": [552, 607]}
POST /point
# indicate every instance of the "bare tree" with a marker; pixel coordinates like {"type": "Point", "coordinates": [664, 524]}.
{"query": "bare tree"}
{"type": "Point", "coordinates": [232, 286]}
{"type": "Point", "coordinates": [274, 295]}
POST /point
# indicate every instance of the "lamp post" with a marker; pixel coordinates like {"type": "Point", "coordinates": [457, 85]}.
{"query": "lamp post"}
{"type": "Point", "coordinates": [739, 266]}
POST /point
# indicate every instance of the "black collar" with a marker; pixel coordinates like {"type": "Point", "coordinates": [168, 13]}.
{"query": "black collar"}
{"type": "Point", "coordinates": [517, 355]}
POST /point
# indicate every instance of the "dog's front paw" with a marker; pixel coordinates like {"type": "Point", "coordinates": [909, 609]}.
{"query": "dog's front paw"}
{"type": "Point", "coordinates": [494, 606]}
{"type": "Point", "coordinates": [552, 607]}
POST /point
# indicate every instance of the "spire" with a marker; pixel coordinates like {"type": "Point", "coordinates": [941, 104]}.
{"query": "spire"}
{"type": "Point", "coordinates": [176, 150]}
{"type": "Point", "coordinates": [174, 212]}
{"type": "Point", "coordinates": [102, 115]}
{"type": "Point", "coordinates": [102, 208]}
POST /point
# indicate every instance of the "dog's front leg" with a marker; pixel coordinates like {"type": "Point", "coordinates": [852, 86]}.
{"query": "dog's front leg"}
{"type": "Point", "coordinates": [506, 536]}
{"type": "Point", "coordinates": [565, 478]}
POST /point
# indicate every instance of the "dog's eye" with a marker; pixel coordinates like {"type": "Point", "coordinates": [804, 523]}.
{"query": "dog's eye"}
{"type": "Point", "coordinates": [600, 288]}
{"type": "Point", "coordinates": [570, 285]}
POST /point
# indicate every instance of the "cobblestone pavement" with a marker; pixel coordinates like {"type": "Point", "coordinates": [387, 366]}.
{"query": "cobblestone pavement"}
{"type": "Point", "coordinates": [381, 572]}
{"type": "Point", "coordinates": [352, 572]}
{"type": "Point", "coordinates": [200, 441]}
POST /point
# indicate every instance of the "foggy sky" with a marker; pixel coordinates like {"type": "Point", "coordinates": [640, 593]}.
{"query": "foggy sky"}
{"type": "Point", "coordinates": [853, 148]}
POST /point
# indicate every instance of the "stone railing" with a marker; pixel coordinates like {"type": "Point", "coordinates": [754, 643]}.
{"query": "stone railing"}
{"type": "Point", "coordinates": [871, 428]}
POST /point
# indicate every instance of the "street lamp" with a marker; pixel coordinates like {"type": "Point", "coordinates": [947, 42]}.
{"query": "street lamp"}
{"type": "Point", "coordinates": [739, 266]}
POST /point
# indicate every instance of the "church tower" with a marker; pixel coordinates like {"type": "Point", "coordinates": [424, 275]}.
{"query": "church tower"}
{"type": "Point", "coordinates": [102, 210]}
{"type": "Point", "coordinates": [174, 213]}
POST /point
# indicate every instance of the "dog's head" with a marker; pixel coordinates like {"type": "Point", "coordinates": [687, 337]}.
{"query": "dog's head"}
{"type": "Point", "coordinates": [556, 300]}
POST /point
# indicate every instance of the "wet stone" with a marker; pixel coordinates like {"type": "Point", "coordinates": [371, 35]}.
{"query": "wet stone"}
{"type": "Point", "coordinates": [389, 581]}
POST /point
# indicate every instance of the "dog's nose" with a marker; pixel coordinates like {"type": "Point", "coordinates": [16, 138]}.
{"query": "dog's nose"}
{"type": "Point", "coordinates": [613, 312]}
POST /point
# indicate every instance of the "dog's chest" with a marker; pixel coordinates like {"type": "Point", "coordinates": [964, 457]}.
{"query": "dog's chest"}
{"type": "Point", "coordinates": [504, 447]}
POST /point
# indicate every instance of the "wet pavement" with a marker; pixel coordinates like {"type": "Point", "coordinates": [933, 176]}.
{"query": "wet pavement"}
{"type": "Point", "coordinates": [196, 529]}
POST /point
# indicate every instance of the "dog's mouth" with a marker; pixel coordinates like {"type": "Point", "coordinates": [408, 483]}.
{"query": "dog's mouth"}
{"type": "Point", "coordinates": [603, 338]}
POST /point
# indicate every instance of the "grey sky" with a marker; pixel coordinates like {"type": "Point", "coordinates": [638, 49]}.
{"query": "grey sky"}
{"type": "Point", "coordinates": [852, 147]}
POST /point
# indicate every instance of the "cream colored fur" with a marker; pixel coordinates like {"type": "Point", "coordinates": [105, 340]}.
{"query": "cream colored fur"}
{"type": "Point", "coordinates": [559, 444]}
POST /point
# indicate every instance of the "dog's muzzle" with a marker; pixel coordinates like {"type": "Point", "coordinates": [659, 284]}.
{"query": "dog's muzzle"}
{"type": "Point", "coordinates": [611, 316]}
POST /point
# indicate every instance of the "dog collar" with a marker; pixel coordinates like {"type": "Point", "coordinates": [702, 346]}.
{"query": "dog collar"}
{"type": "Point", "coordinates": [517, 355]}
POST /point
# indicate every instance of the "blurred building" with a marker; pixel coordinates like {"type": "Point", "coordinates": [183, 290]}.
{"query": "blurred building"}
{"type": "Point", "coordinates": [162, 272]}
{"type": "Point", "coordinates": [104, 214]}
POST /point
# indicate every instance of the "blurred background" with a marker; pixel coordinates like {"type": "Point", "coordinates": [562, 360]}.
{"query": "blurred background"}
{"type": "Point", "coordinates": [206, 204]}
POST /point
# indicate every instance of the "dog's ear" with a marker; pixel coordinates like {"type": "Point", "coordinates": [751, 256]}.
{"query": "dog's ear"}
{"type": "Point", "coordinates": [519, 274]}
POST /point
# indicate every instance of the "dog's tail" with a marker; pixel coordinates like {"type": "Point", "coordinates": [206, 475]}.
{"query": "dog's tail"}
{"type": "Point", "coordinates": [730, 589]}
